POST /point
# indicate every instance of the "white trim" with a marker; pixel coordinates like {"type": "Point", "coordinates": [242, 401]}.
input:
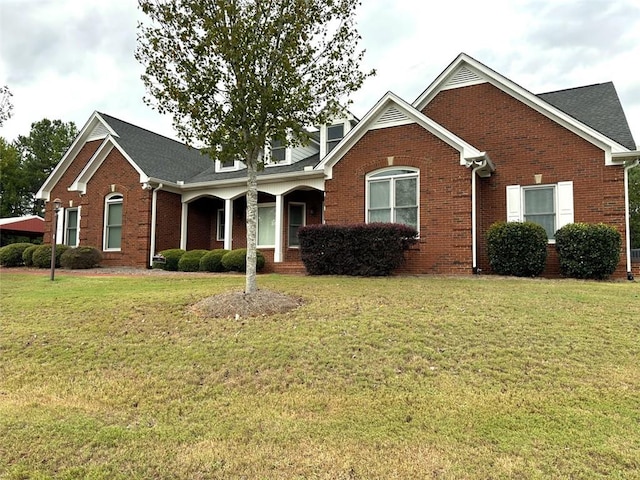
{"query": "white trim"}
{"type": "Point", "coordinates": [627, 225]}
{"type": "Point", "coordinates": [467, 151]}
{"type": "Point", "coordinates": [60, 217]}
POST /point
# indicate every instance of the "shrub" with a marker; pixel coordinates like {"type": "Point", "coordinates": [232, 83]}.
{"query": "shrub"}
{"type": "Point", "coordinates": [42, 255]}
{"type": "Point", "coordinates": [517, 248]}
{"type": "Point", "coordinates": [171, 259]}
{"type": "Point", "coordinates": [11, 255]}
{"type": "Point", "coordinates": [81, 257]}
{"type": "Point", "coordinates": [190, 261]}
{"type": "Point", "coordinates": [372, 249]}
{"type": "Point", "coordinates": [236, 260]}
{"type": "Point", "coordinates": [587, 250]}
{"type": "Point", "coordinates": [27, 255]}
{"type": "Point", "coordinates": [212, 260]}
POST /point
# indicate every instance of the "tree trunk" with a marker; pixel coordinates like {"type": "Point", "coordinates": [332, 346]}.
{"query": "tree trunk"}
{"type": "Point", "coordinates": [251, 285]}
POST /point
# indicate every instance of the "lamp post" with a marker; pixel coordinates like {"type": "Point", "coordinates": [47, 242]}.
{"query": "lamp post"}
{"type": "Point", "coordinates": [54, 227]}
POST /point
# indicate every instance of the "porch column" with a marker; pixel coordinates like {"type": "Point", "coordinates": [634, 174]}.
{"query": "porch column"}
{"type": "Point", "coordinates": [277, 253]}
{"type": "Point", "coordinates": [228, 223]}
{"type": "Point", "coordinates": [183, 226]}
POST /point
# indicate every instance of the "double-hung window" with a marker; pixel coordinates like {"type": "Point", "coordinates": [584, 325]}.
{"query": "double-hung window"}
{"type": "Point", "coordinates": [334, 135]}
{"type": "Point", "coordinates": [113, 222]}
{"type": "Point", "coordinates": [72, 226]}
{"type": "Point", "coordinates": [278, 151]}
{"type": "Point", "coordinates": [550, 206]}
{"type": "Point", "coordinates": [220, 225]}
{"type": "Point", "coordinates": [267, 225]}
{"type": "Point", "coordinates": [392, 196]}
{"type": "Point", "coordinates": [296, 220]}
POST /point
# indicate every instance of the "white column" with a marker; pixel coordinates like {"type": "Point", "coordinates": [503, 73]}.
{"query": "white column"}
{"type": "Point", "coordinates": [228, 223]}
{"type": "Point", "coordinates": [277, 254]}
{"type": "Point", "coordinates": [183, 226]}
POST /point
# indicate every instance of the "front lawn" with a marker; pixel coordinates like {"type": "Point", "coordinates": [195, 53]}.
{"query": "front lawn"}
{"type": "Point", "coordinates": [405, 377]}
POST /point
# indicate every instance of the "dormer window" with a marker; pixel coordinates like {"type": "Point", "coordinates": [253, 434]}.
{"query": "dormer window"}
{"type": "Point", "coordinates": [278, 151]}
{"type": "Point", "coordinates": [227, 163]}
{"type": "Point", "coordinates": [334, 135]}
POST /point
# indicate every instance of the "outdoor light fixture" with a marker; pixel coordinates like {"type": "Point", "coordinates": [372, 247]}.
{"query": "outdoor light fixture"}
{"type": "Point", "coordinates": [57, 203]}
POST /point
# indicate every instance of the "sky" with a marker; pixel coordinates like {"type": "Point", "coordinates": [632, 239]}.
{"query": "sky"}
{"type": "Point", "coordinates": [64, 59]}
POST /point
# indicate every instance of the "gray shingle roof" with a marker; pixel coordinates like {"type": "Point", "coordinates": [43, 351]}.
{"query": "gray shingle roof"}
{"type": "Point", "coordinates": [597, 106]}
{"type": "Point", "coordinates": [158, 156]}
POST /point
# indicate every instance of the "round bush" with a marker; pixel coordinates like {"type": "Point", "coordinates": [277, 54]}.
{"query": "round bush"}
{"type": "Point", "coordinates": [80, 258]}
{"type": "Point", "coordinates": [517, 248]}
{"type": "Point", "coordinates": [42, 255]}
{"type": "Point", "coordinates": [27, 255]}
{"type": "Point", "coordinates": [212, 260]}
{"type": "Point", "coordinates": [11, 255]}
{"type": "Point", "coordinates": [190, 260]}
{"type": "Point", "coordinates": [587, 250]}
{"type": "Point", "coordinates": [236, 260]}
{"type": "Point", "coordinates": [171, 259]}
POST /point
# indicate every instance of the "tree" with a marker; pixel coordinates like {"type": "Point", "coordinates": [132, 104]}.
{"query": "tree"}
{"type": "Point", "coordinates": [12, 182]}
{"type": "Point", "coordinates": [6, 107]}
{"type": "Point", "coordinates": [40, 152]}
{"type": "Point", "coordinates": [634, 206]}
{"type": "Point", "coordinates": [236, 73]}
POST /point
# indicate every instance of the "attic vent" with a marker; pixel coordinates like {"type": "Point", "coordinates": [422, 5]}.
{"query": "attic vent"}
{"type": "Point", "coordinates": [392, 115]}
{"type": "Point", "coordinates": [464, 76]}
{"type": "Point", "coordinates": [99, 131]}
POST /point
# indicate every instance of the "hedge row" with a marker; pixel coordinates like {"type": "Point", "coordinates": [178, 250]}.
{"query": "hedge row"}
{"type": "Point", "coordinates": [373, 249]}
{"type": "Point", "coordinates": [219, 260]}
{"type": "Point", "coordinates": [39, 256]}
{"type": "Point", "coordinates": [584, 250]}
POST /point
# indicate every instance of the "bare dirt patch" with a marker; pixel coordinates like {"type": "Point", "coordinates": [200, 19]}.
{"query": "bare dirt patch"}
{"type": "Point", "coordinates": [242, 305]}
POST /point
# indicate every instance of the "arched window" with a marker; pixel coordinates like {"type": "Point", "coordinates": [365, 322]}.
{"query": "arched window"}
{"type": "Point", "coordinates": [392, 196]}
{"type": "Point", "coordinates": [113, 222]}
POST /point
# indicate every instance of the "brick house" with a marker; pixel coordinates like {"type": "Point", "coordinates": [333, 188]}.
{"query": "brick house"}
{"type": "Point", "coordinates": [472, 149]}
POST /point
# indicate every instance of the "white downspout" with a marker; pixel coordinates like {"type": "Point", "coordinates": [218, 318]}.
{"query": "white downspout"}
{"type": "Point", "coordinates": [474, 227]}
{"type": "Point", "coordinates": [183, 225]}
{"type": "Point", "coordinates": [154, 216]}
{"type": "Point", "coordinates": [626, 216]}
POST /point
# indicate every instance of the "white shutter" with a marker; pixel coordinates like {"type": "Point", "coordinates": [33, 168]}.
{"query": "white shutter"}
{"type": "Point", "coordinates": [78, 228]}
{"type": "Point", "coordinates": [565, 203]}
{"type": "Point", "coordinates": [60, 227]}
{"type": "Point", "coordinates": [514, 204]}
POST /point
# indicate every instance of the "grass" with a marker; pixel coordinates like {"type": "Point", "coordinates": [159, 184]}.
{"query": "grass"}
{"type": "Point", "coordinates": [405, 377]}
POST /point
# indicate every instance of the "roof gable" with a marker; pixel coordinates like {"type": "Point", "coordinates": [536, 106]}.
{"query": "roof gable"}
{"type": "Point", "coordinates": [465, 71]}
{"type": "Point", "coordinates": [392, 111]}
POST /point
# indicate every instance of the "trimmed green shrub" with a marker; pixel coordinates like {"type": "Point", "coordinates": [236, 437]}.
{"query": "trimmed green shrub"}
{"type": "Point", "coordinates": [171, 257]}
{"type": "Point", "coordinates": [42, 255]}
{"type": "Point", "coordinates": [190, 260]}
{"type": "Point", "coordinates": [373, 249]}
{"type": "Point", "coordinates": [212, 260]}
{"type": "Point", "coordinates": [80, 258]}
{"type": "Point", "coordinates": [11, 255]}
{"type": "Point", "coordinates": [27, 255]}
{"type": "Point", "coordinates": [587, 250]}
{"type": "Point", "coordinates": [236, 260]}
{"type": "Point", "coordinates": [517, 248]}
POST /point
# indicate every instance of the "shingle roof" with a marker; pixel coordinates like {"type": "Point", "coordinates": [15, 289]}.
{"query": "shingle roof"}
{"type": "Point", "coordinates": [159, 157]}
{"type": "Point", "coordinates": [597, 106]}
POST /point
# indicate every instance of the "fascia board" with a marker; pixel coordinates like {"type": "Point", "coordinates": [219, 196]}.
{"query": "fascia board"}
{"type": "Point", "coordinates": [92, 166]}
{"type": "Point", "coordinates": [516, 91]}
{"type": "Point", "coordinates": [263, 179]}
{"type": "Point", "coordinates": [466, 150]}
{"type": "Point", "coordinates": [81, 139]}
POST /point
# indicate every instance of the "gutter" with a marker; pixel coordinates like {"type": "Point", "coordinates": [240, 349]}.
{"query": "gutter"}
{"type": "Point", "coordinates": [479, 164]}
{"type": "Point", "coordinates": [633, 164]}
{"type": "Point", "coordinates": [154, 215]}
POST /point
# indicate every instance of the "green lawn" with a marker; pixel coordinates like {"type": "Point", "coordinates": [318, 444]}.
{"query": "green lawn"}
{"type": "Point", "coordinates": [405, 377]}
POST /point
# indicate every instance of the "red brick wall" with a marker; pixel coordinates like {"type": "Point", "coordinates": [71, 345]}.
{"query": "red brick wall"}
{"type": "Point", "coordinates": [444, 194]}
{"type": "Point", "coordinates": [168, 219]}
{"type": "Point", "coordinates": [115, 175]}
{"type": "Point", "coordinates": [521, 143]}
